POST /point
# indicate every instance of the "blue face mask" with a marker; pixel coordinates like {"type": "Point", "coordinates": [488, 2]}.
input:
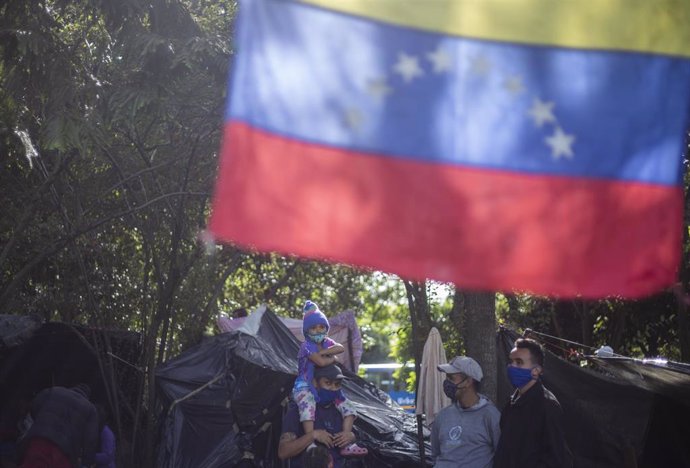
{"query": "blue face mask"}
{"type": "Point", "coordinates": [317, 337]}
{"type": "Point", "coordinates": [518, 376]}
{"type": "Point", "coordinates": [328, 396]}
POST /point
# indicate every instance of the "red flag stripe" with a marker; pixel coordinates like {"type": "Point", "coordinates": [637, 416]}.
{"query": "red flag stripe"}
{"type": "Point", "coordinates": [549, 235]}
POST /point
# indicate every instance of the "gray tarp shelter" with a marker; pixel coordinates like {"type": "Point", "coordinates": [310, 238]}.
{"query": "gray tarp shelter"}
{"type": "Point", "coordinates": [224, 401]}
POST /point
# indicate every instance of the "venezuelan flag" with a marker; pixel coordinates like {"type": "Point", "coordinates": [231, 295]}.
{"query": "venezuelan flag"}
{"type": "Point", "coordinates": [531, 145]}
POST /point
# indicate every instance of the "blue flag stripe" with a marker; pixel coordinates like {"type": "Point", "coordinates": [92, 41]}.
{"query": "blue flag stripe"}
{"type": "Point", "coordinates": [331, 79]}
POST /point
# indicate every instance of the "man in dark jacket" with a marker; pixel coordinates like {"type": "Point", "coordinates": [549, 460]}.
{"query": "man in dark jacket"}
{"type": "Point", "coordinates": [65, 429]}
{"type": "Point", "coordinates": [532, 421]}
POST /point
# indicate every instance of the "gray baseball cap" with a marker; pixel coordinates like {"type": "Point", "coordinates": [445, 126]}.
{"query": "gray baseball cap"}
{"type": "Point", "coordinates": [463, 365]}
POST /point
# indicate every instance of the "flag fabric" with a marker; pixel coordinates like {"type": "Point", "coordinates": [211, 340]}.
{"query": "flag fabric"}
{"type": "Point", "coordinates": [528, 145]}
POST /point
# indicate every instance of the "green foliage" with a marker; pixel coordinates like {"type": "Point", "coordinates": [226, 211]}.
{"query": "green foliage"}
{"type": "Point", "coordinates": [383, 318]}
{"type": "Point", "coordinates": [520, 312]}
{"type": "Point", "coordinates": [122, 103]}
{"type": "Point", "coordinates": [110, 121]}
{"type": "Point", "coordinates": [285, 283]}
{"type": "Point", "coordinates": [642, 328]}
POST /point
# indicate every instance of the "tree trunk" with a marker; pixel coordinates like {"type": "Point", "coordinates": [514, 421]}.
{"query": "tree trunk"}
{"type": "Point", "coordinates": [420, 318]}
{"type": "Point", "coordinates": [683, 291]}
{"type": "Point", "coordinates": [684, 331]}
{"type": "Point", "coordinates": [555, 320]}
{"type": "Point", "coordinates": [617, 326]}
{"type": "Point", "coordinates": [586, 321]}
{"type": "Point", "coordinates": [478, 332]}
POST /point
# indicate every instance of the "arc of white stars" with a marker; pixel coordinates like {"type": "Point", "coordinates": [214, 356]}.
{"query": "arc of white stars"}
{"type": "Point", "coordinates": [561, 144]}
{"type": "Point", "coordinates": [440, 60]}
{"type": "Point", "coordinates": [408, 67]}
{"type": "Point", "coordinates": [378, 89]}
{"type": "Point", "coordinates": [542, 112]}
{"type": "Point", "coordinates": [513, 85]}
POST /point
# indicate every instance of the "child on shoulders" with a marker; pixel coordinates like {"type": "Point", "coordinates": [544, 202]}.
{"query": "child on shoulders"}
{"type": "Point", "coordinates": [319, 350]}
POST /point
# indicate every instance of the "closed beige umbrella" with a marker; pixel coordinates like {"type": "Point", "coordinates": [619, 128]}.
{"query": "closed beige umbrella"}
{"type": "Point", "coordinates": [430, 396]}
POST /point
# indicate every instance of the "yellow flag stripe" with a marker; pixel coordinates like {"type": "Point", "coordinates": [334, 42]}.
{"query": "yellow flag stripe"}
{"type": "Point", "coordinates": [653, 26]}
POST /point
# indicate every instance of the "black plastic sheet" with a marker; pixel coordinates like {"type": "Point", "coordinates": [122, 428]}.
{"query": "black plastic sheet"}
{"type": "Point", "coordinates": [56, 353]}
{"type": "Point", "coordinates": [16, 329]}
{"type": "Point", "coordinates": [613, 413]}
{"type": "Point", "coordinates": [224, 401]}
{"type": "Point", "coordinates": [668, 378]}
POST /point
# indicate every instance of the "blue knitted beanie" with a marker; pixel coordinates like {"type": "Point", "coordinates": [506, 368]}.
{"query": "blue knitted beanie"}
{"type": "Point", "coordinates": [313, 316]}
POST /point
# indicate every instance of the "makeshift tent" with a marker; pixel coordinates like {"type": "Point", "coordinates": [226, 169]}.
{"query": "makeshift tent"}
{"type": "Point", "coordinates": [343, 330]}
{"type": "Point", "coordinates": [224, 400]}
{"type": "Point", "coordinates": [35, 355]}
{"type": "Point", "coordinates": [626, 410]}
{"type": "Point", "coordinates": [667, 435]}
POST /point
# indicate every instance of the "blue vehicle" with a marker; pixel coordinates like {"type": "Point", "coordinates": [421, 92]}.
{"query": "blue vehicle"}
{"type": "Point", "coordinates": [381, 375]}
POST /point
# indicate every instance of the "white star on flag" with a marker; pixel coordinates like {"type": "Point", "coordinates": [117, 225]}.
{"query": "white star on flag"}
{"type": "Point", "coordinates": [353, 118]}
{"type": "Point", "coordinates": [378, 89]}
{"type": "Point", "coordinates": [542, 112]}
{"type": "Point", "coordinates": [408, 67]}
{"type": "Point", "coordinates": [440, 60]}
{"type": "Point", "coordinates": [480, 65]}
{"type": "Point", "coordinates": [560, 143]}
{"type": "Point", "coordinates": [514, 85]}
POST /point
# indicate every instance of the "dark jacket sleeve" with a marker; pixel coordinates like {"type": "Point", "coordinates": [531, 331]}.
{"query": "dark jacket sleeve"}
{"type": "Point", "coordinates": [107, 453]}
{"type": "Point", "coordinates": [555, 453]}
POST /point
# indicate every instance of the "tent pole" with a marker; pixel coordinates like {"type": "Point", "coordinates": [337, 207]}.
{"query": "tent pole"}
{"type": "Point", "coordinates": [420, 424]}
{"type": "Point", "coordinates": [420, 441]}
{"type": "Point", "coordinates": [349, 350]}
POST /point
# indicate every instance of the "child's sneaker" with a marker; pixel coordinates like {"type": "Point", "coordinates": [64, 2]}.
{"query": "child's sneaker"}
{"type": "Point", "coordinates": [353, 450]}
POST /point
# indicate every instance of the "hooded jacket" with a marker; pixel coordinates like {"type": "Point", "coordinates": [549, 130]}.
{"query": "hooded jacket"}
{"type": "Point", "coordinates": [67, 418]}
{"type": "Point", "coordinates": [465, 437]}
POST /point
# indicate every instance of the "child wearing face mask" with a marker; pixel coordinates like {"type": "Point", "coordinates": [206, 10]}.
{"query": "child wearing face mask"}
{"type": "Point", "coordinates": [319, 350]}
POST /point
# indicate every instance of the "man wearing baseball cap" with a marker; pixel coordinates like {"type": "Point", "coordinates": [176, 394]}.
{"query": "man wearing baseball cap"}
{"type": "Point", "coordinates": [464, 434]}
